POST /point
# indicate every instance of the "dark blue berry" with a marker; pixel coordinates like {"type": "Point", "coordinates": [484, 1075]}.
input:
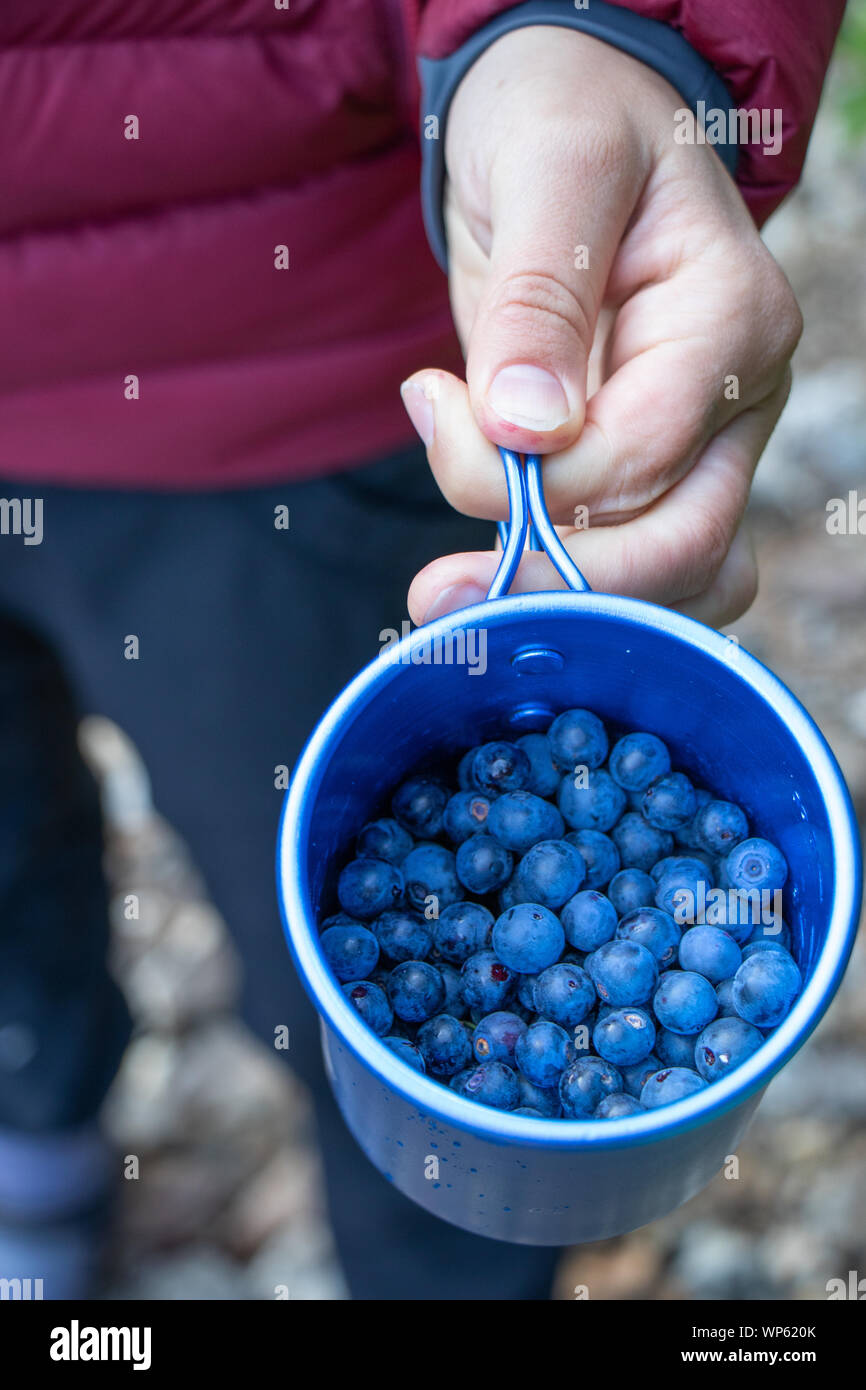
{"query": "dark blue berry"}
{"type": "Point", "coordinates": [624, 1037]}
{"type": "Point", "coordinates": [765, 987]}
{"type": "Point", "coordinates": [618, 1107]}
{"type": "Point", "coordinates": [669, 802]}
{"type": "Point", "coordinates": [542, 1052]}
{"type": "Point", "coordinates": [351, 952]}
{"type": "Point", "coordinates": [640, 844]}
{"type": "Point", "coordinates": [725, 996]}
{"type": "Point", "coordinates": [719, 825]}
{"type": "Point", "coordinates": [483, 864]}
{"type": "Point", "coordinates": [599, 854]}
{"type": "Point", "coordinates": [633, 1077]}
{"type": "Point", "coordinates": [684, 1002]}
{"type": "Point", "coordinates": [654, 929]}
{"type": "Point", "coordinates": [589, 920]}
{"type": "Point", "coordinates": [465, 814]}
{"type": "Point", "coordinates": [672, 1084]}
{"type": "Point", "coordinates": [496, 1037]}
{"type": "Point", "coordinates": [487, 983]}
{"type": "Point", "coordinates": [527, 938]}
{"type": "Point", "coordinates": [543, 773]}
{"type": "Point", "coordinates": [491, 1083]}
{"type": "Point", "coordinates": [584, 1084]}
{"type": "Point", "coordinates": [637, 759]}
{"type": "Point", "coordinates": [402, 935]}
{"type": "Point", "coordinates": [591, 802]}
{"type": "Point", "coordinates": [500, 767]}
{"type": "Point", "coordinates": [406, 1051]}
{"type": "Point", "coordinates": [550, 873]}
{"type": "Point", "coordinates": [444, 1044]}
{"type": "Point", "coordinates": [723, 1045]}
{"type": "Point", "coordinates": [755, 863]}
{"type": "Point", "coordinates": [544, 1099]}
{"type": "Point", "coordinates": [629, 890]}
{"type": "Point", "coordinates": [577, 738]}
{"type": "Point", "coordinates": [623, 972]}
{"type": "Point", "coordinates": [711, 952]}
{"type": "Point", "coordinates": [372, 1004]}
{"type": "Point", "coordinates": [675, 1049]}
{"type": "Point", "coordinates": [564, 994]}
{"type": "Point", "coordinates": [461, 930]}
{"type": "Point", "coordinates": [416, 990]}
{"type": "Point", "coordinates": [453, 1003]}
{"type": "Point", "coordinates": [384, 839]}
{"type": "Point", "coordinates": [419, 806]}
{"type": "Point", "coordinates": [367, 887]}
{"type": "Point", "coordinates": [520, 819]}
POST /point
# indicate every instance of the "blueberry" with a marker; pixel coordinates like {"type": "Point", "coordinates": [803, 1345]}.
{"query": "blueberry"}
{"type": "Point", "coordinates": [669, 802]}
{"type": "Point", "coordinates": [526, 992]}
{"type": "Point", "coordinates": [430, 872]}
{"type": "Point", "coordinates": [754, 863]}
{"type": "Point", "coordinates": [528, 1112]}
{"type": "Point", "coordinates": [599, 854]}
{"type": "Point", "coordinates": [406, 1051]}
{"type": "Point", "coordinates": [492, 1083]}
{"type": "Point", "coordinates": [682, 892]}
{"type": "Point", "coordinates": [685, 835]}
{"type": "Point", "coordinates": [654, 929]}
{"type": "Point", "coordinates": [623, 972]}
{"type": "Point", "coordinates": [483, 864]}
{"type": "Point", "coordinates": [629, 890]}
{"type": "Point", "coordinates": [564, 994]}
{"type": "Point", "coordinates": [764, 945]}
{"type": "Point", "coordinates": [519, 820]}
{"type": "Point", "coordinates": [487, 983]}
{"type": "Point", "coordinates": [672, 1084]}
{"type": "Point", "coordinates": [465, 779]}
{"type": "Point", "coordinates": [765, 987]}
{"type": "Point", "coordinates": [675, 1049]}
{"type": "Point", "coordinates": [419, 806]}
{"type": "Point", "coordinates": [339, 919]}
{"type": "Point", "coordinates": [543, 774]}
{"type": "Point", "coordinates": [591, 802]}
{"type": "Point", "coordinates": [465, 813]}
{"type": "Point", "coordinates": [542, 1052]}
{"type": "Point", "coordinates": [725, 996]}
{"type": "Point", "coordinates": [416, 990]}
{"type": "Point", "coordinates": [584, 1085]}
{"type": "Point", "coordinates": [528, 938]}
{"type": "Point", "coordinates": [372, 1004]}
{"type": "Point", "coordinates": [384, 839]}
{"type": "Point", "coordinates": [637, 759]}
{"type": "Point", "coordinates": [719, 825]}
{"type": "Point", "coordinates": [500, 767]}
{"type": "Point", "coordinates": [544, 1099]}
{"type": "Point", "coordinates": [351, 952]}
{"type": "Point", "coordinates": [367, 887]}
{"type": "Point", "coordinates": [723, 1045]}
{"type": "Point", "coordinates": [633, 1077]}
{"type": "Point", "coordinates": [624, 1037]}
{"type": "Point", "coordinates": [550, 873]}
{"type": "Point", "coordinates": [618, 1106]}
{"type": "Point", "coordinates": [577, 738]}
{"type": "Point", "coordinates": [711, 952]}
{"type": "Point", "coordinates": [684, 1002]}
{"type": "Point", "coordinates": [589, 920]}
{"type": "Point", "coordinates": [444, 1044]}
{"type": "Point", "coordinates": [453, 1003]}
{"type": "Point", "coordinates": [640, 844]}
{"type": "Point", "coordinates": [777, 931]}
{"type": "Point", "coordinates": [496, 1036]}
{"type": "Point", "coordinates": [402, 935]}
{"type": "Point", "coordinates": [461, 930]}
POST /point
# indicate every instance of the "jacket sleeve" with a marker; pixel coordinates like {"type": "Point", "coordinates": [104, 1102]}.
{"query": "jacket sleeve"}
{"type": "Point", "coordinates": [764, 55]}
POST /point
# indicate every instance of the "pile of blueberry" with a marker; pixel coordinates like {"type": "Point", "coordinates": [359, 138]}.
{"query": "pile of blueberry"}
{"type": "Point", "coordinates": [539, 939]}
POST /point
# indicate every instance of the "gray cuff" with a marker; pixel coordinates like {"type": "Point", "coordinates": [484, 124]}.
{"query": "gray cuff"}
{"type": "Point", "coordinates": [654, 43]}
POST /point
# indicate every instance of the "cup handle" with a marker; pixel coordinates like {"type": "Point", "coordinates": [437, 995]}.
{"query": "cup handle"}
{"type": "Point", "coordinates": [528, 513]}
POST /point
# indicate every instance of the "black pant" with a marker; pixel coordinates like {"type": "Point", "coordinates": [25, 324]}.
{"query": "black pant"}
{"type": "Point", "coordinates": [245, 633]}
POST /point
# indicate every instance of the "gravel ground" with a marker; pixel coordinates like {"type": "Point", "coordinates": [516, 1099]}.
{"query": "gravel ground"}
{"type": "Point", "coordinates": [228, 1202]}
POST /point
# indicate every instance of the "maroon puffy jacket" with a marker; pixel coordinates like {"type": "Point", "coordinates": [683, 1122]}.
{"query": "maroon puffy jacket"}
{"type": "Point", "coordinates": [149, 337]}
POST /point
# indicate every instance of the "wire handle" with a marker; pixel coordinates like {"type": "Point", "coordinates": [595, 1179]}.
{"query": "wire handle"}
{"type": "Point", "coordinates": [528, 513]}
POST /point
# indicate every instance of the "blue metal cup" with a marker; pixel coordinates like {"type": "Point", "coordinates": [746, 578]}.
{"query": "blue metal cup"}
{"type": "Point", "coordinates": [727, 720]}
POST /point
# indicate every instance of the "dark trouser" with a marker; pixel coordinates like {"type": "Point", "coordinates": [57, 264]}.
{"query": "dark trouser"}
{"type": "Point", "coordinates": [245, 633]}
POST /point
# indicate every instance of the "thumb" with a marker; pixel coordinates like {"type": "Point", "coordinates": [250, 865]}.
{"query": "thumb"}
{"type": "Point", "coordinates": [557, 219]}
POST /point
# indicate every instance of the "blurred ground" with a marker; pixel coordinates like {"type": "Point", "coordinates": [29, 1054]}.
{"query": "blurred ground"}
{"type": "Point", "coordinates": [227, 1204]}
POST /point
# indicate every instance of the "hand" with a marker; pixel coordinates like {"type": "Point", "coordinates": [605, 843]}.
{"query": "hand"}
{"type": "Point", "coordinates": [651, 379]}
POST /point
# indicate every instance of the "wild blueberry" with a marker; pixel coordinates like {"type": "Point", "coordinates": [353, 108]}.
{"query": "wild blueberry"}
{"type": "Point", "coordinates": [711, 952]}
{"type": "Point", "coordinates": [550, 873]}
{"type": "Point", "coordinates": [725, 996]}
{"type": "Point", "coordinates": [723, 1045]}
{"type": "Point", "coordinates": [593, 802]}
{"type": "Point", "coordinates": [672, 1084]}
{"type": "Point", "coordinates": [372, 1004]}
{"type": "Point", "coordinates": [453, 1003]}
{"type": "Point", "coordinates": [618, 1106]}
{"type": "Point", "coordinates": [339, 919]}
{"type": "Point", "coordinates": [487, 983]}
{"type": "Point", "coordinates": [419, 805]}
{"type": "Point", "coordinates": [640, 844]}
{"type": "Point", "coordinates": [564, 994]}
{"type": "Point", "coordinates": [526, 992]}
{"type": "Point", "coordinates": [577, 738]}
{"type": "Point", "coordinates": [492, 1083]}
{"type": "Point", "coordinates": [633, 1077]}
{"type": "Point", "coordinates": [351, 952]}
{"type": "Point", "coordinates": [543, 774]}
{"type": "Point", "coordinates": [669, 801]}
{"type": "Point", "coordinates": [406, 1051]}
{"type": "Point", "coordinates": [544, 1099]}
{"type": "Point", "coordinates": [589, 920]}
{"type": "Point", "coordinates": [755, 863]}
{"type": "Point", "coordinates": [654, 929]}
{"type": "Point", "coordinates": [465, 779]}
{"type": "Point", "coordinates": [465, 813]}
{"type": "Point", "coordinates": [584, 1084]}
{"type": "Point", "coordinates": [430, 872]}
{"type": "Point", "coordinates": [461, 930]}
{"type": "Point", "coordinates": [766, 944]}
{"type": "Point", "coordinates": [519, 820]}
{"type": "Point", "coordinates": [384, 839]}
{"type": "Point", "coordinates": [402, 935]}
{"type": "Point", "coordinates": [483, 864]}
{"type": "Point", "coordinates": [496, 1036]}
{"type": "Point", "coordinates": [675, 1049]}
{"type": "Point", "coordinates": [682, 890]}
{"type": "Point", "coordinates": [629, 890]}
{"type": "Point", "coordinates": [500, 767]}
{"type": "Point", "coordinates": [528, 938]}
{"type": "Point", "coordinates": [684, 1002]}
{"type": "Point", "coordinates": [599, 853]}
{"type": "Point", "coordinates": [765, 987]}
{"type": "Point", "coordinates": [444, 1044]}
{"type": "Point", "coordinates": [637, 759]}
{"type": "Point", "coordinates": [623, 972]}
{"type": "Point", "coordinates": [416, 990]}
{"type": "Point", "coordinates": [624, 1037]}
{"type": "Point", "coordinates": [685, 835]}
{"type": "Point", "coordinates": [719, 826]}
{"type": "Point", "coordinates": [542, 1052]}
{"type": "Point", "coordinates": [367, 887]}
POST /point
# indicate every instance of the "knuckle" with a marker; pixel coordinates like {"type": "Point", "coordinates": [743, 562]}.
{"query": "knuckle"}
{"type": "Point", "coordinates": [544, 297]}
